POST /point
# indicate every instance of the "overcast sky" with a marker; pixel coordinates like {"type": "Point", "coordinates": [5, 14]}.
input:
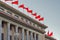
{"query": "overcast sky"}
{"type": "Point", "coordinates": [49, 9]}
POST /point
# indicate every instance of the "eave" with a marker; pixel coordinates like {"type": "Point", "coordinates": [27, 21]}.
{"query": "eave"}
{"type": "Point", "coordinates": [21, 14]}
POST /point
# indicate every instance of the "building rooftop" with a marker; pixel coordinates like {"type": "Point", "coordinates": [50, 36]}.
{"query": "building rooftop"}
{"type": "Point", "coordinates": [49, 37]}
{"type": "Point", "coordinates": [21, 14]}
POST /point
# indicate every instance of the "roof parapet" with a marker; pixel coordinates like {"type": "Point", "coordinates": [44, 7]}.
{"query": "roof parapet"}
{"type": "Point", "coordinates": [22, 14]}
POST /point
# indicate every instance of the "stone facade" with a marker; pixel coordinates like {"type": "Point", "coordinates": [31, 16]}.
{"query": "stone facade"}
{"type": "Point", "coordinates": [15, 25]}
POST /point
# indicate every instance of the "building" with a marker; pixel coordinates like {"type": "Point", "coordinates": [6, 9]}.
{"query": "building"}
{"type": "Point", "coordinates": [15, 25]}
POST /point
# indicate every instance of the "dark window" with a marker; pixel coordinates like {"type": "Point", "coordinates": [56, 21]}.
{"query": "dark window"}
{"type": "Point", "coordinates": [15, 37]}
{"type": "Point", "coordinates": [30, 22]}
{"type": "Point", "coordinates": [1, 9]}
{"type": "Point", "coordinates": [30, 34]}
{"type": "Point", "coordinates": [2, 36]}
{"type": "Point", "coordinates": [2, 24]}
{"type": "Point", "coordinates": [26, 20]}
{"type": "Point", "coordinates": [33, 24]}
{"type": "Point", "coordinates": [33, 35]}
{"type": "Point", "coordinates": [25, 32]}
{"type": "Point", "coordinates": [10, 37]}
{"type": "Point", "coordinates": [16, 16]}
{"type": "Point", "coordinates": [19, 29]}
{"type": "Point", "coordinates": [37, 37]}
{"type": "Point", "coordinates": [12, 27]}
{"type": "Point", "coordinates": [9, 12]}
{"type": "Point", "coordinates": [21, 18]}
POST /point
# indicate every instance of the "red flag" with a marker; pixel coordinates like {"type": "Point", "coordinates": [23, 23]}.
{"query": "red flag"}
{"type": "Point", "coordinates": [51, 34]}
{"type": "Point", "coordinates": [41, 19]}
{"type": "Point", "coordinates": [22, 6]}
{"type": "Point", "coordinates": [15, 2]}
{"type": "Point", "coordinates": [30, 11]}
{"type": "Point", "coordinates": [35, 14]}
{"type": "Point", "coordinates": [26, 9]}
{"type": "Point", "coordinates": [37, 17]}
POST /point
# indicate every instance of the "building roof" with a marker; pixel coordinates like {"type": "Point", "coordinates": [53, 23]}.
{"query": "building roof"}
{"type": "Point", "coordinates": [48, 37]}
{"type": "Point", "coordinates": [21, 14]}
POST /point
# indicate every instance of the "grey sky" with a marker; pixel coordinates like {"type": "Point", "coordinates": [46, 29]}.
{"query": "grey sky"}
{"type": "Point", "coordinates": [49, 9]}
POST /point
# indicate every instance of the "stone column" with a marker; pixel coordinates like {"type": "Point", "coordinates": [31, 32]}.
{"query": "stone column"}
{"type": "Point", "coordinates": [16, 33]}
{"type": "Point", "coordinates": [31, 36]}
{"type": "Point", "coordinates": [8, 32]}
{"type": "Point", "coordinates": [27, 35]}
{"type": "Point", "coordinates": [22, 34]}
{"type": "Point", "coordinates": [0, 28]}
{"type": "Point", "coordinates": [35, 36]}
{"type": "Point", "coordinates": [16, 29]}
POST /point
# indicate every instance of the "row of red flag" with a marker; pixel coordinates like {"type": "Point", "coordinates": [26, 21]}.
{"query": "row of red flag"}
{"type": "Point", "coordinates": [28, 10]}
{"type": "Point", "coordinates": [31, 12]}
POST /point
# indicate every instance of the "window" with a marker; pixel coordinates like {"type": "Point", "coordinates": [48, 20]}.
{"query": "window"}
{"type": "Point", "coordinates": [10, 37]}
{"type": "Point", "coordinates": [15, 37]}
{"type": "Point", "coordinates": [37, 37]}
{"type": "Point", "coordinates": [33, 24]}
{"type": "Point", "coordinates": [30, 35]}
{"type": "Point", "coordinates": [12, 27]}
{"type": "Point", "coordinates": [2, 24]}
{"type": "Point", "coordinates": [21, 18]}
{"type": "Point", "coordinates": [2, 36]}
{"type": "Point", "coordinates": [26, 20]}
{"type": "Point", "coordinates": [19, 30]}
{"type": "Point", "coordinates": [16, 16]}
{"type": "Point", "coordinates": [25, 31]}
{"type": "Point", "coordinates": [9, 12]}
{"type": "Point", "coordinates": [33, 35]}
{"type": "Point", "coordinates": [1, 9]}
{"type": "Point", "coordinates": [30, 22]}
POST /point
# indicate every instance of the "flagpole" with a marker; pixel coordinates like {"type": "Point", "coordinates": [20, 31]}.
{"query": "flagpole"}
{"type": "Point", "coordinates": [20, 5]}
{"type": "Point", "coordinates": [11, 3]}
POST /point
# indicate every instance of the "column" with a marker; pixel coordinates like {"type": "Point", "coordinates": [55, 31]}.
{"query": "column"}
{"type": "Point", "coordinates": [31, 36]}
{"type": "Point", "coordinates": [27, 35]}
{"type": "Point", "coordinates": [16, 29]}
{"type": "Point", "coordinates": [0, 28]}
{"type": "Point", "coordinates": [8, 32]}
{"type": "Point", "coordinates": [22, 34]}
{"type": "Point", "coordinates": [16, 33]}
{"type": "Point", "coordinates": [35, 36]}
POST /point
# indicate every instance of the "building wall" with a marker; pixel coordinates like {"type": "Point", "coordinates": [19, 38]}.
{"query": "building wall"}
{"type": "Point", "coordinates": [23, 32]}
{"type": "Point", "coordinates": [16, 31]}
{"type": "Point", "coordinates": [4, 30]}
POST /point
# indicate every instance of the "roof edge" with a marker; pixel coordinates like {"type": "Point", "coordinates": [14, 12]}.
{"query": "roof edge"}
{"type": "Point", "coordinates": [21, 14]}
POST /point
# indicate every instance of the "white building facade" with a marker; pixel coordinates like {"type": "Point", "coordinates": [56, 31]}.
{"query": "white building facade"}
{"type": "Point", "coordinates": [15, 25]}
